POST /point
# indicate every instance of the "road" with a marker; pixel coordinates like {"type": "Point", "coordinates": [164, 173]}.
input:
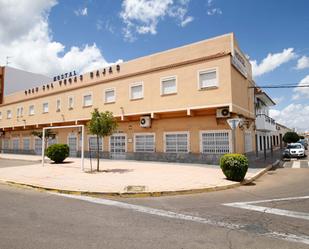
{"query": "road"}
{"type": "Point", "coordinates": [33, 219]}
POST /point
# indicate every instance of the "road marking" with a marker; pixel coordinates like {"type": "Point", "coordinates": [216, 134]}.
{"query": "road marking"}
{"type": "Point", "coordinates": [173, 215]}
{"type": "Point", "coordinates": [296, 165]}
{"type": "Point", "coordinates": [269, 210]}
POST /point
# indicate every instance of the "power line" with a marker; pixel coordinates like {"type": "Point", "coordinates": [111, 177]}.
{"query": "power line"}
{"type": "Point", "coordinates": [280, 86]}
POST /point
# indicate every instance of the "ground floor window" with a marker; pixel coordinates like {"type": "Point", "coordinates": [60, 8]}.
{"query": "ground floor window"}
{"type": "Point", "coordinates": [92, 143]}
{"type": "Point", "coordinates": [38, 146]}
{"type": "Point", "coordinates": [177, 142]}
{"type": "Point", "coordinates": [215, 142]}
{"type": "Point", "coordinates": [26, 144]}
{"type": "Point", "coordinates": [15, 143]}
{"type": "Point", "coordinates": [144, 142]}
{"type": "Point", "coordinates": [6, 143]}
{"type": "Point", "coordinates": [118, 143]}
{"type": "Point", "coordinates": [51, 141]}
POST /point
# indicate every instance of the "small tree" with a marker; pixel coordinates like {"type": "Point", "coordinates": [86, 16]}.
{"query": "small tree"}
{"type": "Point", "coordinates": [102, 124]}
{"type": "Point", "coordinates": [48, 135]}
{"type": "Point", "coordinates": [290, 137]}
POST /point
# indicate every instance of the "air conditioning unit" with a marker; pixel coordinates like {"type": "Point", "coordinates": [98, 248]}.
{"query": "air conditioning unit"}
{"type": "Point", "coordinates": [145, 122]}
{"type": "Point", "coordinates": [223, 113]}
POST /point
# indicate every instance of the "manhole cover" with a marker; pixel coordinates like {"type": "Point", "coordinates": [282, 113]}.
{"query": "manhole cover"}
{"type": "Point", "coordinates": [135, 188]}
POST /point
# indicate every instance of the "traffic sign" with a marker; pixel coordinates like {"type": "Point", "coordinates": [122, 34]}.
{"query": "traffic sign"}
{"type": "Point", "coordinates": [233, 122]}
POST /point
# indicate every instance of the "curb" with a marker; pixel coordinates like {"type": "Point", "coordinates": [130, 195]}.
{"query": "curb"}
{"type": "Point", "coordinates": [143, 194]}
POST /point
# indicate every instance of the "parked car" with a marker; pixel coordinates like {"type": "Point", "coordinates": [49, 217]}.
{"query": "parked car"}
{"type": "Point", "coordinates": [294, 150]}
{"type": "Point", "coordinates": [304, 143]}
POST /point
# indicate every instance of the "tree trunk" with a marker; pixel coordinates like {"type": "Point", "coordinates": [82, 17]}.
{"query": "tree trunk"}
{"type": "Point", "coordinates": [98, 154]}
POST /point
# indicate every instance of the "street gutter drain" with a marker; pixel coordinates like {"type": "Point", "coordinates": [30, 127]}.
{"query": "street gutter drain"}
{"type": "Point", "coordinates": [135, 188]}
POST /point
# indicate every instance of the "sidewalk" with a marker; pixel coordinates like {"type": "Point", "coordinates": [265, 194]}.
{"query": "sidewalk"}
{"type": "Point", "coordinates": [117, 177]}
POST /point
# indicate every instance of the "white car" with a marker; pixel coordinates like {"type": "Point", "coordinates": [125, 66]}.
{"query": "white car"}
{"type": "Point", "coordinates": [295, 150]}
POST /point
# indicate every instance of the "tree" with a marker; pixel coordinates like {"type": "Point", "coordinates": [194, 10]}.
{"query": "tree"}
{"type": "Point", "coordinates": [290, 137]}
{"type": "Point", "coordinates": [102, 124]}
{"type": "Point", "coordinates": [48, 135]}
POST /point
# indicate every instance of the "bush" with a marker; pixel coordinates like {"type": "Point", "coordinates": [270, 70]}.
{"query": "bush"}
{"type": "Point", "coordinates": [290, 137]}
{"type": "Point", "coordinates": [58, 152]}
{"type": "Point", "coordinates": [234, 166]}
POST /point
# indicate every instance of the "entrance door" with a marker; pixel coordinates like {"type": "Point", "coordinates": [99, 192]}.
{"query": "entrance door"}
{"type": "Point", "coordinates": [118, 146]}
{"type": "Point", "coordinates": [72, 142]}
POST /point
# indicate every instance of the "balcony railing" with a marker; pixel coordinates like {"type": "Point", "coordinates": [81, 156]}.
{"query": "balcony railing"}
{"type": "Point", "coordinates": [264, 122]}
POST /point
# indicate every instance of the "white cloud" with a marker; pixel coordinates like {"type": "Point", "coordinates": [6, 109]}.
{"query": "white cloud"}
{"type": "Point", "coordinates": [303, 62]}
{"type": "Point", "coordinates": [302, 92]}
{"type": "Point", "coordinates": [30, 45]}
{"type": "Point", "coordinates": [293, 116]}
{"type": "Point", "coordinates": [81, 12]}
{"type": "Point", "coordinates": [187, 20]}
{"type": "Point", "coordinates": [272, 61]}
{"type": "Point", "coordinates": [213, 10]}
{"type": "Point", "coordinates": [143, 16]}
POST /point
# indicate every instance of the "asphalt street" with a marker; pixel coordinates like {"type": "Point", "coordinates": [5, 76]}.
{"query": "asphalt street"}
{"type": "Point", "coordinates": [33, 219]}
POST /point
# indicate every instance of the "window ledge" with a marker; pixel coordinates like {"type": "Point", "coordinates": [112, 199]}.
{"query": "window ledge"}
{"type": "Point", "coordinates": [168, 94]}
{"type": "Point", "coordinates": [108, 103]}
{"type": "Point", "coordinates": [87, 106]}
{"type": "Point", "coordinates": [208, 88]}
{"type": "Point", "coordinates": [136, 99]}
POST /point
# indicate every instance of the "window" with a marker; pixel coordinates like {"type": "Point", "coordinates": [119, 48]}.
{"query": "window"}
{"type": "Point", "coordinates": [6, 144]}
{"type": "Point", "coordinates": [92, 143]}
{"type": "Point", "coordinates": [20, 111]}
{"type": "Point", "coordinates": [31, 110]}
{"type": "Point", "coordinates": [168, 86]}
{"type": "Point", "coordinates": [15, 144]}
{"type": "Point", "coordinates": [26, 143]}
{"type": "Point", "coordinates": [51, 141]}
{"type": "Point", "coordinates": [177, 142]}
{"type": "Point", "coordinates": [87, 100]}
{"type": "Point", "coordinates": [208, 78]}
{"type": "Point", "coordinates": [0, 115]}
{"type": "Point", "coordinates": [71, 103]}
{"type": "Point", "coordinates": [38, 146]}
{"type": "Point", "coordinates": [137, 91]}
{"type": "Point", "coordinates": [110, 96]}
{"type": "Point", "coordinates": [144, 142]}
{"type": "Point", "coordinates": [58, 105]}
{"type": "Point", "coordinates": [9, 114]}
{"type": "Point", "coordinates": [45, 107]}
{"type": "Point", "coordinates": [215, 142]}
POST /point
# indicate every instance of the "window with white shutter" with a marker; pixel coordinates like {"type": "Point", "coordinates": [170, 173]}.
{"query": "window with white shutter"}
{"type": "Point", "coordinates": [9, 114]}
{"type": "Point", "coordinates": [71, 102]}
{"type": "Point", "coordinates": [110, 96]}
{"type": "Point", "coordinates": [45, 107]}
{"type": "Point", "coordinates": [208, 78]}
{"type": "Point", "coordinates": [168, 86]}
{"type": "Point", "coordinates": [92, 143]}
{"type": "Point", "coordinates": [31, 110]}
{"type": "Point", "coordinates": [177, 142]}
{"type": "Point", "coordinates": [87, 100]}
{"type": "Point", "coordinates": [144, 142]}
{"type": "Point", "coordinates": [26, 143]}
{"type": "Point", "coordinates": [215, 142]}
{"type": "Point", "coordinates": [136, 91]}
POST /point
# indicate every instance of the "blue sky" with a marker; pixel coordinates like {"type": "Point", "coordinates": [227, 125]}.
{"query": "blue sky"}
{"type": "Point", "coordinates": [94, 33]}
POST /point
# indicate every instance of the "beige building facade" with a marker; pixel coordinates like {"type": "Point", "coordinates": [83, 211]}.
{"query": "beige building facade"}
{"type": "Point", "coordinates": [170, 106]}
